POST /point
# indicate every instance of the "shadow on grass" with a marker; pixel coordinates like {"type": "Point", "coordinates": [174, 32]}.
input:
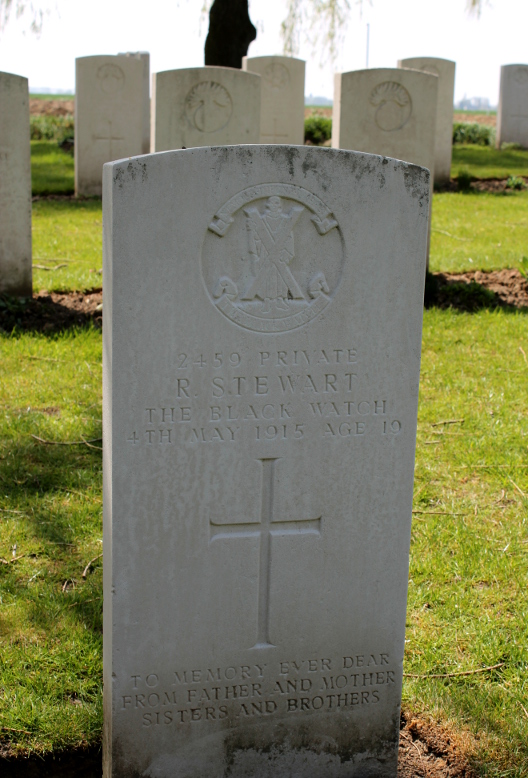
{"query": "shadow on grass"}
{"type": "Point", "coordinates": [43, 484]}
{"type": "Point", "coordinates": [52, 169]}
{"type": "Point", "coordinates": [50, 313]}
{"type": "Point", "coordinates": [441, 292]}
{"type": "Point", "coordinates": [74, 763]}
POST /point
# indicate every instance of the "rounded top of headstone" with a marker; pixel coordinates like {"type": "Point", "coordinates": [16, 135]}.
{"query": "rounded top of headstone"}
{"type": "Point", "coordinates": [208, 71]}
{"type": "Point", "coordinates": [429, 59]}
{"type": "Point", "coordinates": [388, 73]}
{"type": "Point", "coordinates": [281, 57]}
{"type": "Point", "coordinates": [4, 75]}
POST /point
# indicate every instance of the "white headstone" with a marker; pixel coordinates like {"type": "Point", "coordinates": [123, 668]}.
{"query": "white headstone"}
{"type": "Point", "coordinates": [445, 70]}
{"type": "Point", "coordinates": [206, 106]}
{"type": "Point", "coordinates": [110, 98]}
{"type": "Point", "coordinates": [144, 56]}
{"type": "Point", "coordinates": [282, 98]}
{"type": "Point", "coordinates": [15, 187]}
{"type": "Point", "coordinates": [512, 115]}
{"type": "Point", "coordinates": [388, 111]}
{"type": "Point", "coordinates": [260, 399]}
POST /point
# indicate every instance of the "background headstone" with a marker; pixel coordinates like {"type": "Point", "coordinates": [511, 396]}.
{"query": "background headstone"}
{"type": "Point", "coordinates": [512, 115]}
{"type": "Point", "coordinates": [445, 70]}
{"type": "Point", "coordinates": [144, 56]}
{"type": "Point", "coordinates": [260, 399]}
{"type": "Point", "coordinates": [388, 111]}
{"type": "Point", "coordinates": [206, 106]}
{"type": "Point", "coordinates": [15, 187]}
{"type": "Point", "coordinates": [282, 98]}
{"type": "Point", "coordinates": [110, 99]}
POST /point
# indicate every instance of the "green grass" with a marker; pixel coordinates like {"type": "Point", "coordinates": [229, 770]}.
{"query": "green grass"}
{"type": "Point", "coordinates": [67, 233]}
{"type": "Point", "coordinates": [50, 516]}
{"type": "Point", "coordinates": [468, 599]}
{"type": "Point", "coordinates": [474, 113]}
{"type": "Point", "coordinates": [478, 231]}
{"type": "Point", "coordinates": [52, 170]}
{"type": "Point", "coordinates": [488, 162]}
{"type": "Point", "coordinates": [484, 231]}
{"type": "Point", "coordinates": [47, 96]}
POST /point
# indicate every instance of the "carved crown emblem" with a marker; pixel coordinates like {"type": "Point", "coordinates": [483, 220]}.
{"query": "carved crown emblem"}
{"type": "Point", "coordinates": [272, 257]}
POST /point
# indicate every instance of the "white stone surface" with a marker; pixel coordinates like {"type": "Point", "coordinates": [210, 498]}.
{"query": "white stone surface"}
{"type": "Point", "coordinates": [110, 96]}
{"type": "Point", "coordinates": [445, 70]}
{"type": "Point", "coordinates": [260, 397]}
{"type": "Point", "coordinates": [206, 106]}
{"type": "Point", "coordinates": [387, 111]}
{"type": "Point", "coordinates": [282, 98]}
{"type": "Point", "coordinates": [144, 56]}
{"type": "Point", "coordinates": [512, 115]}
{"type": "Point", "coordinates": [15, 187]}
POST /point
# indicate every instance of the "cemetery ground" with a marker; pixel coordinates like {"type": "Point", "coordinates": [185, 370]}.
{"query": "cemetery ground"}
{"type": "Point", "coordinates": [465, 691]}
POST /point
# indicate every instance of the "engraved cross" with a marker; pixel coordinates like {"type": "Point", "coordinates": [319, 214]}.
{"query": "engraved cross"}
{"type": "Point", "coordinates": [266, 528]}
{"type": "Point", "coordinates": [109, 136]}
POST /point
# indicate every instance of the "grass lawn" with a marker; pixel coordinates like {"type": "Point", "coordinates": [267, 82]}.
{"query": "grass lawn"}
{"type": "Point", "coordinates": [468, 599]}
{"type": "Point", "coordinates": [47, 96]}
{"type": "Point", "coordinates": [472, 113]}
{"type": "Point", "coordinates": [478, 231]}
{"type": "Point", "coordinates": [487, 162]}
{"type": "Point", "coordinates": [469, 232]}
{"type": "Point", "coordinates": [67, 235]}
{"type": "Point", "coordinates": [50, 518]}
{"type": "Point", "coordinates": [52, 170]}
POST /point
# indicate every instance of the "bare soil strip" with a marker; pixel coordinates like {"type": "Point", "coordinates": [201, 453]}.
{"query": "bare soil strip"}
{"type": "Point", "coordinates": [426, 751]}
{"type": "Point", "coordinates": [50, 312]}
{"type": "Point", "coordinates": [475, 290]}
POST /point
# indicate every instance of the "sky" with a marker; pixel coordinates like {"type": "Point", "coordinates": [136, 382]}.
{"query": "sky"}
{"type": "Point", "coordinates": [174, 32]}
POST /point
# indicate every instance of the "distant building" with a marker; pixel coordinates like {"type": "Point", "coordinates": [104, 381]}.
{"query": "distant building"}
{"type": "Point", "coordinates": [475, 104]}
{"type": "Point", "coordinates": [315, 100]}
{"type": "Point", "coordinates": [46, 90]}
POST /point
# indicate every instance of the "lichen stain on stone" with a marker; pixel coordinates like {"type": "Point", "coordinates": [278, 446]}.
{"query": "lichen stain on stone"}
{"type": "Point", "coordinates": [124, 766]}
{"type": "Point", "coordinates": [134, 169]}
{"type": "Point", "coordinates": [138, 170]}
{"type": "Point", "coordinates": [369, 755]}
{"type": "Point", "coordinates": [311, 165]}
{"type": "Point", "coordinates": [119, 177]}
{"type": "Point", "coordinates": [360, 164]}
{"type": "Point", "coordinates": [416, 180]}
{"type": "Point", "coordinates": [284, 155]}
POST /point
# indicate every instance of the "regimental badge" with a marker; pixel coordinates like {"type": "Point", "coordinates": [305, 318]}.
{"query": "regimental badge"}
{"type": "Point", "coordinates": [272, 257]}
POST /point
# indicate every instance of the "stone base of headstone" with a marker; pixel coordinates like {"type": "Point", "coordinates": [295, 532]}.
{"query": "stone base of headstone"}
{"type": "Point", "coordinates": [263, 309]}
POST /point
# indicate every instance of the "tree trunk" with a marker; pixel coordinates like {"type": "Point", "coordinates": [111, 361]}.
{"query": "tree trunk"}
{"type": "Point", "coordinates": [230, 33]}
